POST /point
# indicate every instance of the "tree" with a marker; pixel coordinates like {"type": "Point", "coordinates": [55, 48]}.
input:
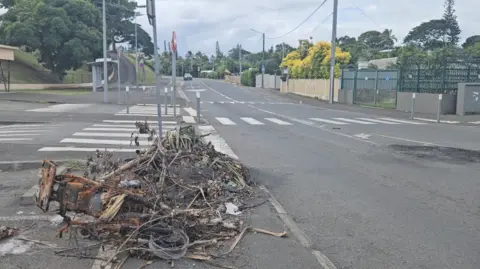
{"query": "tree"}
{"type": "Point", "coordinates": [316, 63]}
{"type": "Point", "coordinates": [453, 30]}
{"type": "Point", "coordinates": [471, 41]}
{"type": "Point", "coordinates": [218, 52]}
{"type": "Point", "coordinates": [388, 39]}
{"type": "Point", "coordinates": [428, 35]}
{"type": "Point", "coordinates": [66, 33]}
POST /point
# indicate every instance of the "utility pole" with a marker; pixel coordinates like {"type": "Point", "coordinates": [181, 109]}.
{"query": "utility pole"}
{"type": "Point", "coordinates": [105, 69]}
{"type": "Point", "coordinates": [283, 50]}
{"type": "Point", "coordinates": [240, 57]}
{"type": "Point", "coordinates": [332, 62]}
{"type": "Point", "coordinates": [263, 57]}
{"type": "Point", "coordinates": [153, 21]}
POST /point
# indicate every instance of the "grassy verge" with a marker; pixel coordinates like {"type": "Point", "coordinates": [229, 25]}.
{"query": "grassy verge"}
{"type": "Point", "coordinates": [378, 105]}
{"type": "Point", "coordinates": [149, 73]}
{"type": "Point", "coordinates": [78, 91]}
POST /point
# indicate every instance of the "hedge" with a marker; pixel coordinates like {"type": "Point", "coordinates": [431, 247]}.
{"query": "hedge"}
{"type": "Point", "coordinates": [248, 77]}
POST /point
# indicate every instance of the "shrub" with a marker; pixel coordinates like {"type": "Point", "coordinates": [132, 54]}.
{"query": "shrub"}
{"type": "Point", "coordinates": [248, 77]}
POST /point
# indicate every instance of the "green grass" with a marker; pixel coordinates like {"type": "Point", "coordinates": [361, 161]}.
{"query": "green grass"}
{"type": "Point", "coordinates": [26, 69]}
{"type": "Point", "coordinates": [378, 105]}
{"type": "Point", "coordinates": [149, 73]}
{"type": "Point", "coordinates": [78, 91]}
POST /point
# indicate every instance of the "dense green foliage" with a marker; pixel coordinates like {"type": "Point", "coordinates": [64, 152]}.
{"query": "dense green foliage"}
{"type": "Point", "coordinates": [248, 77]}
{"type": "Point", "coordinates": [65, 34]}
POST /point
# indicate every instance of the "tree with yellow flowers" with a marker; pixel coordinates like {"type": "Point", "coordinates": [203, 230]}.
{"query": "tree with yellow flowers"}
{"type": "Point", "coordinates": [316, 62]}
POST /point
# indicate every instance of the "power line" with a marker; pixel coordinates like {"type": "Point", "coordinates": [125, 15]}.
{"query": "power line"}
{"type": "Point", "coordinates": [298, 26]}
{"type": "Point", "coordinates": [324, 20]}
{"type": "Point", "coordinates": [366, 16]}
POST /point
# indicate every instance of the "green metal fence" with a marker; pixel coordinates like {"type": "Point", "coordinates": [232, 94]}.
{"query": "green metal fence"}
{"type": "Point", "coordinates": [371, 87]}
{"type": "Point", "coordinates": [437, 80]}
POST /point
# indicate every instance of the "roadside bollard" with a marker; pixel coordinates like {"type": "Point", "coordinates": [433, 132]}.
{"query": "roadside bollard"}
{"type": "Point", "coordinates": [413, 106]}
{"type": "Point", "coordinates": [439, 108]}
{"type": "Point", "coordinates": [166, 100]}
{"type": "Point", "coordinates": [198, 107]}
{"type": "Point", "coordinates": [127, 99]}
{"type": "Point", "coordinates": [144, 88]}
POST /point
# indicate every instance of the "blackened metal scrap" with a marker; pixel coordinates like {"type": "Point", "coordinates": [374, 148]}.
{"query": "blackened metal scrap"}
{"type": "Point", "coordinates": [172, 193]}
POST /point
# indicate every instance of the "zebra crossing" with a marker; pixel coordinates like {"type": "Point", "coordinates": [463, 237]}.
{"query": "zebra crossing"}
{"type": "Point", "coordinates": [147, 110]}
{"type": "Point", "coordinates": [60, 108]}
{"type": "Point", "coordinates": [25, 132]}
{"type": "Point", "coordinates": [111, 135]}
{"type": "Point", "coordinates": [246, 102]}
{"type": "Point", "coordinates": [331, 121]}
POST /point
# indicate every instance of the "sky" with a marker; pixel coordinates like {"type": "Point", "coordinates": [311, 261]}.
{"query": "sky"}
{"type": "Point", "coordinates": [200, 23]}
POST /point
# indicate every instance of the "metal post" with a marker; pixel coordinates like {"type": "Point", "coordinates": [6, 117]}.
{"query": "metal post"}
{"type": "Point", "coordinates": [136, 49]}
{"type": "Point", "coordinates": [263, 58]}
{"type": "Point", "coordinates": [198, 107]}
{"type": "Point", "coordinates": [144, 88]}
{"type": "Point", "coordinates": [439, 108]}
{"type": "Point", "coordinates": [174, 80]}
{"type": "Point", "coordinates": [157, 64]}
{"type": "Point", "coordinates": [166, 100]}
{"type": "Point", "coordinates": [375, 88]}
{"type": "Point", "coordinates": [413, 106]}
{"type": "Point", "coordinates": [127, 100]}
{"type": "Point", "coordinates": [332, 61]}
{"type": "Point", "coordinates": [118, 76]}
{"type": "Point", "coordinates": [171, 99]}
{"type": "Point", "coordinates": [105, 69]}
{"type": "Point", "coordinates": [240, 57]}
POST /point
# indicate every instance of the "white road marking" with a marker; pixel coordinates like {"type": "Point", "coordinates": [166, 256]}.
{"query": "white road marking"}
{"type": "Point", "coordinates": [329, 121]}
{"type": "Point", "coordinates": [29, 126]}
{"type": "Point", "coordinates": [277, 121]}
{"type": "Point", "coordinates": [15, 139]}
{"type": "Point", "coordinates": [143, 115]}
{"type": "Point", "coordinates": [217, 141]}
{"type": "Point", "coordinates": [111, 129]}
{"type": "Point", "coordinates": [22, 131]}
{"type": "Point", "coordinates": [60, 108]}
{"type": "Point", "coordinates": [18, 134]}
{"type": "Point", "coordinates": [113, 135]}
{"type": "Point", "coordinates": [188, 119]}
{"type": "Point", "coordinates": [155, 105]}
{"type": "Point", "coordinates": [434, 120]}
{"type": "Point", "coordinates": [222, 102]}
{"type": "Point", "coordinates": [378, 121]}
{"type": "Point", "coordinates": [409, 140]}
{"type": "Point", "coordinates": [225, 121]}
{"type": "Point", "coordinates": [354, 121]}
{"type": "Point", "coordinates": [103, 141]}
{"type": "Point", "coordinates": [363, 136]}
{"type": "Point", "coordinates": [252, 121]}
{"type": "Point", "coordinates": [191, 111]}
{"type": "Point", "coordinates": [82, 149]}
{"type": "Point", "coordinates": [134, 121]}
{"type": "Point", "coordinates": [403, 121]}
{"type": "Point", "coordinates": [311, 124]}
{"type": "Point", "coordinates": [130, 125]}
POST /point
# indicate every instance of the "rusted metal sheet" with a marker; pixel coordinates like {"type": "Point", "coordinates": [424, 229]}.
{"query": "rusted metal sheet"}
{"type": "Point", "coordinates": [49, 172]}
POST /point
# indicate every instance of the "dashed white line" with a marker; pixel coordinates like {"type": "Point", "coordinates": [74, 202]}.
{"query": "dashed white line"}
{"type": "Point", "coordinates": [378, 121]}
{"type": "Point", "coordinates": [252, 121]}
{"type": "Point", "coordinates": [225, 121]}
{"type": "Point", "coordinates": [403, 121]}
{"type": "Point", "coordinates": [277, 121]}
{"type": "Point", "coordinates": [329, 121]}
{"type": "Point", "coordinates": [354, 121]}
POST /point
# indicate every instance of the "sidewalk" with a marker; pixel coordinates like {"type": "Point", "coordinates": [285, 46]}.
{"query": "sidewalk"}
{"type": "Point", "coordinates": [254, 250]}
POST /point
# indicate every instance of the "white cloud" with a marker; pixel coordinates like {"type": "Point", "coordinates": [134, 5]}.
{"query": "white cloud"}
{"type": "Point", "coordinates": [200, 23]}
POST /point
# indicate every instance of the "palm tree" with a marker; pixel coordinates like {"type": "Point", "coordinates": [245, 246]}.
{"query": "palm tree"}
{"type": "Point", "coordinates": [388, 39]}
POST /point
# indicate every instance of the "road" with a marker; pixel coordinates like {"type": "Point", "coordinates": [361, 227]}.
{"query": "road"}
{"type": "Point", "coordinates": [369, 191]}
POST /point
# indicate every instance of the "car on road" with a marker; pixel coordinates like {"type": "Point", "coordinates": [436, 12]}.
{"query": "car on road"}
{"type": "Point", "coordinates": [187, 76]}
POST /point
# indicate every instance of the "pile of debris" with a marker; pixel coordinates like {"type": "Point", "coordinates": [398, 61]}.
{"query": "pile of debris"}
{"type": "Point", "coordinates": [176, 197]}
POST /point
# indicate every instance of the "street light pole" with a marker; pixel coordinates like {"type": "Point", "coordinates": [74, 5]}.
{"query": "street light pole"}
{"type": "Point", "coordinates": [105, 69]}
{"type": "Point", "coordinates": [332, 61]}
{"type": "Point", "coordinates": [153, 21]}
{"type": "Point", "coordinates": [263, 58]}
{"type": "Point", "coordinates": [240, 57]}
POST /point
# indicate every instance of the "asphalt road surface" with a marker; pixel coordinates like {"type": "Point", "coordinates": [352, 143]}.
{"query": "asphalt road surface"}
{"type": "Point", "coordinates": [370, 191]}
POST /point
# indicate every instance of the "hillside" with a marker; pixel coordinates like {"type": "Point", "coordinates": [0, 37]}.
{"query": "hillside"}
{"type": "Point", "coordinates": [27, 70]}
